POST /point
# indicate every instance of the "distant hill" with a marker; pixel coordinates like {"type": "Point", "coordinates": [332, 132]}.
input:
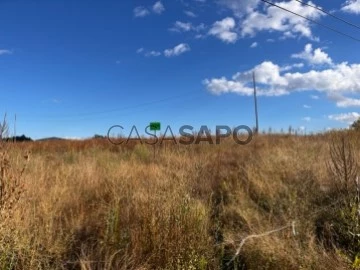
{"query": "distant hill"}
{"type": "Point", "coordinates": [50, 139]}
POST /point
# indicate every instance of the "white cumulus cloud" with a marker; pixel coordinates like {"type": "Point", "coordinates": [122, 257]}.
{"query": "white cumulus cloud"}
{"type": "Point", "coordinates": [292, 66]}
{"type": "Point", "coordinates": [158, 7]}
{"type": "Point", "coordinates": [347, 118]}
{"type": "Point", "coordinates": [337, 80]}
{"type": "Point", "coordinates": [148, 53]}
{"type": "Point", "coordinates": [181, 27]}
{"type": "Point", "coordinates": [344, 102]}
{"type": "Point", "coordinates": [190, 13]}
{"type": "Point", "coordinates": [152, 53]}
{"type": "Point", "coordinates": [275, 19]}
{"type": "Point", "coordinates": [254, 16]}
{"type": "Point", "coordinates": [313, 57]}
{"type": "Point", "coordinates": [141, 11]}
{"type": "Point", "coordinates": [186, 27]}
{"type": "Point", "coordinates": [254, 45]}
{"type": "Point", "coordinates": [224, 30]}
{"type": "Point", "coordinates": [239, 8]}
{"type": "Point", "coordinates": [177, 50]}
{"type": "Point", "coordinates": [342, 78]}
{"type": "Point", "coordinates": [352, 6]}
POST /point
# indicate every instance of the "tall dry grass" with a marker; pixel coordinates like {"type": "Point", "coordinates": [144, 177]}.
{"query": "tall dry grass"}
{"type": "Point", "coordinates": [92, 205]}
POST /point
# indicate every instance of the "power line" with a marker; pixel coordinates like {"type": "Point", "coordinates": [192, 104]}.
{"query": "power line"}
{"type": "Point", "coordinates": [313, 21]}
{"type": "Point", "coordinates": [328, 13]}
{"type": "Point", "coordinates": [188, 94]}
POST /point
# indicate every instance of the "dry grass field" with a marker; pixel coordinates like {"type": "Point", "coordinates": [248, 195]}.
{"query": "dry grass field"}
{"type": "Point", "coordinates": [93, 205]}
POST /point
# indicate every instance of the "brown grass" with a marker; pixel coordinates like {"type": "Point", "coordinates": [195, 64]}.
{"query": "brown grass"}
{"type": "Point", "coordinates": [92, 205]}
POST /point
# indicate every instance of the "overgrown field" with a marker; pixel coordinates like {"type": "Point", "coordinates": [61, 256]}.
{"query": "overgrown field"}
{"type": "Point", "coordinates": [92, 205]}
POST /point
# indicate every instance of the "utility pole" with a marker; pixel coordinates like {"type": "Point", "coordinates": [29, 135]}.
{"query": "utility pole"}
{"type": "Point", "coordinates": [256, 109]}
{"type": "Point", "coordinates": [15, 129]}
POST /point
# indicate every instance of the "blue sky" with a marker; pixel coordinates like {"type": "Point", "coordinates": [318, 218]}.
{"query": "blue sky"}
{"type": "Point", "coordinates": [75, 68]}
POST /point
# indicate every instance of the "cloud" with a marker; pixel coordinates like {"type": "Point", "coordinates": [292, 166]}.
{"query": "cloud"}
{"type": "Point", "coordinates": [336, 80]}
{"type": "Point", "coordinates": [306, 119]}
{"type": "Point", "coordinates": [352, 6]}
{"type": "Point", "coordinates": [344, 102]}
{"type": "Point", "coordinates": [177, 50]}
{"type": "Point", "coordinates": [307, 106]}
{"type": "Point", "coordinates": [158, 7]}
{"type": "Point", "coordinates": [239, 8]}
{"type": "Point", "coordinates": [254, 45]}
{"type": "Point", "coordinates": [140, 11]}
{"type": "Point", "coordinates": [221, 85]}
{"type": "Point", "coordinates": [313, 57]}
{"type": "Point", "coordinates": [224, 30]}
{"type": "Point", "coordinates": [4, 51]}
{"type": "Point", "coordinates": [275, 19]}
{"type": "Point", "coordinates": [297, 65]}
{"type": "Point", "coordinates": [181, 27]}
{"type": "Point", "coordinates": [254, 18]}
{"type": "Point", "coordinates": [152, 53]}
{"type": "Point", "coordinates": [186, 27]}
{"type": "Point", "coordinates": [342, 78]}
{"type": "Point", "coordinates": [190, 13]}
{"type": "Point", "coordinates": [314, 97]}
{"type": "Point", "coordinates": [292, 66]}
{"type": "Point", "coordinates": [148, 53]}
{"type": "Point", "coordinates": [347, 118]}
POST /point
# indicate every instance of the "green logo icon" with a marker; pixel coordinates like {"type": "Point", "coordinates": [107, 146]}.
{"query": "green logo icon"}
{"type": "Point", "coordinates": [154, 126]}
